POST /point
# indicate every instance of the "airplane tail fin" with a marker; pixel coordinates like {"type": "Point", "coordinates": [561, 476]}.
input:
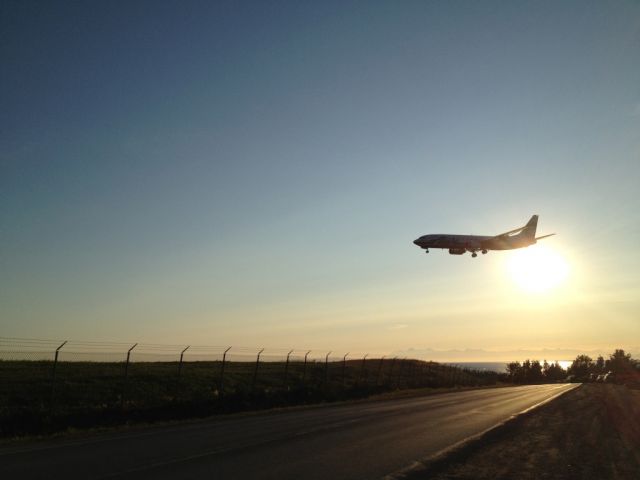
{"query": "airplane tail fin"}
{"type": "Point", "coordinates": [523, 236]}
{"type": "Point", "coordinates": [529, 230]}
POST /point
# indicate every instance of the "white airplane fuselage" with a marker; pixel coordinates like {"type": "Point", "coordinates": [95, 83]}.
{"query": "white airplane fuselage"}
{"type": "Point", "coordinates": [459, 244]}
{"type": "Point", "coordinates": [472, 242]}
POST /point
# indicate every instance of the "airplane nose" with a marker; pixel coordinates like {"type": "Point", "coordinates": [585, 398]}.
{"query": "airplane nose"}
{"type": "Point", "coordinates": [416, 241]}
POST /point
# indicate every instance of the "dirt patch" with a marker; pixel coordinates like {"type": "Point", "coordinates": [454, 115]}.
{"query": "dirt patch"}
{"type": "Point", "coordinates": [592, 432]}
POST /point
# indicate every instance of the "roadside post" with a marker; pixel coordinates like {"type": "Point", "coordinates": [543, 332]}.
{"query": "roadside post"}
{"type": "Point", "coordinates": [53, 376]}
{"type": "Point", "coordinates": [255, 373]}
{"type": "Point", "coordinates": [304, 367]}
{"type": "Point", "coordinates": [393, 363]}
{"type": "Point", "coordinates": [326, 368]}
{"type": "Point", "coordinates": [126, 375]}
{"type": "Point", "coordinates": [344, 367]}
{"type": "Point", "coordinates": [403, 363]}
{"type": "Point", "coordinates": [181, 357]}
{"type": "Point", "coordinates": [286, 369]}
{"type": "Point", "coordinates": [362, 371]}
{"type": "Point", "coordinates": [379, 371]}
{"type": "Point", "coordinates": [224, 361]}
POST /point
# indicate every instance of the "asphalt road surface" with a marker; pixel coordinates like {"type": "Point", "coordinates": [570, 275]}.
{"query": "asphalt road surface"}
{"type": "Point", "coordinates": [366, 440]}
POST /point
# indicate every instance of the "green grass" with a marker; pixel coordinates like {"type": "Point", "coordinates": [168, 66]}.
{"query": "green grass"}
{"type": "Point", "coordinates": [90, 394]}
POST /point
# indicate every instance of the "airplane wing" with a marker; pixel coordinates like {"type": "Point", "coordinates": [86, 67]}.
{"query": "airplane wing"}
{"type": "Point", "coordinates": [530, 226]}
{"type": "Point", "coordinates": [510, 232]}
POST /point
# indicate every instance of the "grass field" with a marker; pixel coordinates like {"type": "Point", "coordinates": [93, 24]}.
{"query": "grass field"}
{"type": "Point", "coordinates": [36, 399]}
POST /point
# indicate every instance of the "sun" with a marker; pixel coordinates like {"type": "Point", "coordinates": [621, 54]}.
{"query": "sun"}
{"type": "Point", "coordinates": [537, 269]}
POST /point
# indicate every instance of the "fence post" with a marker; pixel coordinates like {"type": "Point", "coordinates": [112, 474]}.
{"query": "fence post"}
{"type": "Point", "coordinates": [415, 373]}
{"type": "Point", "coordinates": [427, 374]}
{"type": "Point", "coordinates": [393, 362]}
{"type": "Point", "coordinates": [224, 360]}
{"type": "Point", "coordinates": [379, 370]}
{"type": "Point", "coordinates": [423, 373]}
{"type": "Point", "coordinates": [304, 368]}
{"type": "Point", "coordinates": [344, 367]}
{"type": "Point", "coordinates": [446, 374]}
{"type": "Point", "coordinates": [255, 373]}
{"type": "Point", "coordinates": [286, 369]}
{"type": "Point", "coordinates": [403, 362]}
{"type": "Point", "coordinates": [326, 368]}
{"type": "Point", "coordinates": [53, 375]}
{"type": "Point", "coordinates": [126, 375]}
{"type": "Point", "coordinates": [181, 356]}
{"type": "Point", "coordinates": [362, 368]}
{"type": "Point", "coordinates": [432, 374]}
{"type": "Point", "coordinates": [126, 366]}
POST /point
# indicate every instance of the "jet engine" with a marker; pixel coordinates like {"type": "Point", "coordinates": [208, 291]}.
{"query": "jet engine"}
{"type": "Point", "coordinates": [457, 251]}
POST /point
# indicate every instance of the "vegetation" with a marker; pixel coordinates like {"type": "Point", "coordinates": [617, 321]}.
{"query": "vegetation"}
{"type": "Point", "coordinates": [531, 371]}
{"type": "Point", "coordinates": [42, 396]}
{"type": "Point", "coordinates": [36, 398]}
{"type": "Point", "coordinates": [620, 367]}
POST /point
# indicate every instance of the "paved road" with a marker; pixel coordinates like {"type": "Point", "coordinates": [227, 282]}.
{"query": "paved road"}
{"type": "Point", "coordinates": [357, 441]}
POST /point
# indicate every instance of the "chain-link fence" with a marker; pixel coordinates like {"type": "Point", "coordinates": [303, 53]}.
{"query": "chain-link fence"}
{"type": "Point", "coordinates": [48, 385]}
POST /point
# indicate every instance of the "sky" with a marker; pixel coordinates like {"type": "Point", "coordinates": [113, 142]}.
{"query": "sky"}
{"type": "Point", "coordinates": [254, 173]}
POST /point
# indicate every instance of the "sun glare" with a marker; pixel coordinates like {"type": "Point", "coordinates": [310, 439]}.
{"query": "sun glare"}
{"type": "Point", "coordinates": [537, 269]}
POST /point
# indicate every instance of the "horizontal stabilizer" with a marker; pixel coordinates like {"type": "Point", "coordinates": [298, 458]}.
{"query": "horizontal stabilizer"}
{"type": "Point", "coordinates": [545, 236]}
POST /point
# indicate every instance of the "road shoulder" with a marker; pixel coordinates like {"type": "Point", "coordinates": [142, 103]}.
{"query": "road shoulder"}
{"type": "Point", "coordinates": [590, 432]}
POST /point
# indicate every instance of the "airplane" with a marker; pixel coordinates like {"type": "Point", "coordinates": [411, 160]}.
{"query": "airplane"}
{"type": "Point", "coordinates": [460, 244]}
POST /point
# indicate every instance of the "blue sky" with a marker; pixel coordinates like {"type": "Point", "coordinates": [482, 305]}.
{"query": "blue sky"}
{"type": "Point", "coordinates": [254, 173]}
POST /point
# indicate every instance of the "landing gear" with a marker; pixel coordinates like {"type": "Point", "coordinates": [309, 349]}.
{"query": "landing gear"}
{"type": "Point", "coordinates": [474, 254]}
{"type": "Point", "coordinates": [426, 250]}
{"type": "Point", "coordinates": [484, 252]}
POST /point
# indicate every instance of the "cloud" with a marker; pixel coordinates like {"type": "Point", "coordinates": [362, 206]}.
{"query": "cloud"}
{"type": "Point", "coordinates": [397, 326]}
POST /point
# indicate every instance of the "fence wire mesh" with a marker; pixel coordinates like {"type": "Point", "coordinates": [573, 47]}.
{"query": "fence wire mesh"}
{"type": "Point", "coordinates": [81, 381]}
